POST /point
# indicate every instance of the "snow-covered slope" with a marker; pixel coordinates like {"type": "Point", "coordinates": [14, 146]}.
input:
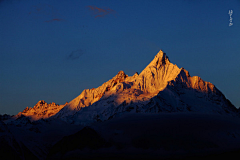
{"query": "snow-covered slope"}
{"type": "Point", "coordinates": [89, 96]}
{"type": "Point", "coordinates": [160, 87]}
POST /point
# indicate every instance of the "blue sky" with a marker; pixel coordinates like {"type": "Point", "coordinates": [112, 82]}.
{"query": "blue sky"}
{"type": "Point", "coordinates": [53, 49]}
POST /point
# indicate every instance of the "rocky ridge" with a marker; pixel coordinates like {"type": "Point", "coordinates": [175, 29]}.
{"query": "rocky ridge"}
{"type": "Point", "coordinates": [41, 110]}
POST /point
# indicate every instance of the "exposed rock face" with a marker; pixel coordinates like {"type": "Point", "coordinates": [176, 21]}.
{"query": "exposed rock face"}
{"type": "Point", "coordinates": [160, 72]}
{"type": "Point", "coordinates": [156, 75]}
{"type": "Point", "coordinates": [41, 110]}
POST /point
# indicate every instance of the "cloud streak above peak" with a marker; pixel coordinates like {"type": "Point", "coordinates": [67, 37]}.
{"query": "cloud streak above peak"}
{"type": "Point", "coordinates": [100, 12]}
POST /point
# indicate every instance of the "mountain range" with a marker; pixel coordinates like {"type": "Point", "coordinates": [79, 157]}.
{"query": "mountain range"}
{"type": "Point", "coordinates": [161, 112]}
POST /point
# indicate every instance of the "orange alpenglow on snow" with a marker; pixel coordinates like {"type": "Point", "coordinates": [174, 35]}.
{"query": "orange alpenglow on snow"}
{"type": "Point", "coordinates": [41, 110]}
{"type": "Point", "coordinates": [160, 79]}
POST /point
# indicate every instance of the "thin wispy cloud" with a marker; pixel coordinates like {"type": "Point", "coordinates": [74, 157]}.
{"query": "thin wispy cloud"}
{"type": "Point", "coordinates": [100, 12]}
{"type": "Point", "coordinates": [75, 54]}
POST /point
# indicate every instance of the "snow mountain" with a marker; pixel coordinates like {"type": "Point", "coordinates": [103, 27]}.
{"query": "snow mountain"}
{"type": "Point", "coordinates": [161, 87]}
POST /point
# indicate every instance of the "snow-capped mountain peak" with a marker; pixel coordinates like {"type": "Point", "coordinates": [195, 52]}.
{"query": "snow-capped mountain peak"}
{"type": "Point", "coordinates": [157, 74]}
{"type": "Point", "coordinates": [161, 86]}
{"type": "Point", "coordinates": [160, 59]}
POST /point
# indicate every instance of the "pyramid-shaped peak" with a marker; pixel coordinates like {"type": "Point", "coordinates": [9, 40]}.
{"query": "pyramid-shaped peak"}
{"type": "Point", "coordinates": [160, 52]}
{"type": "Point", "coordinates": [161, 56]}
{"type": "Point", "coordinates": [160, 59]}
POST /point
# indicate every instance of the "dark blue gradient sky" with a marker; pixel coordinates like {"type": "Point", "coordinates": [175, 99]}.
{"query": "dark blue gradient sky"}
{"type": "Point", "coordinates": [53, 49]}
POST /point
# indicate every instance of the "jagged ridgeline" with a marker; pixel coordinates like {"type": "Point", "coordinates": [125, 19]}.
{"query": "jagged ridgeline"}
{"type": "Point", "coordinates": [161, 87]}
